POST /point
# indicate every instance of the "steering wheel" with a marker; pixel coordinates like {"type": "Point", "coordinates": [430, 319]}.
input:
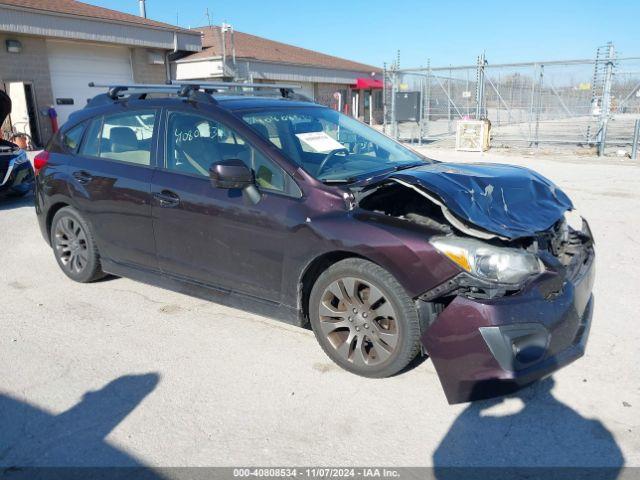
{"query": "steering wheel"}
{"type": "Point", "coordinates": [328, 157]}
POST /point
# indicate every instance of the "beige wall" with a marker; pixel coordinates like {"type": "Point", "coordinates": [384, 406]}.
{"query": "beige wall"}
{"type": "Point", "coordinates": [324, 93]}
{"type": "Point", "coordinates": [143, 71]}
{"type": "Point", "coordinates": [29, 66]}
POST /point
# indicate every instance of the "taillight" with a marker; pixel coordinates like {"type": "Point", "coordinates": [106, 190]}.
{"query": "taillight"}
{"type": "Point", "coordinates": [40, 160]}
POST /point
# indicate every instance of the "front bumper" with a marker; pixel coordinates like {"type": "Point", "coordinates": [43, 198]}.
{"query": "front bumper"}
{"type": "Point", "coordinates": [18, 179]}
{"type": "Point", "coordinates": [484, 348]}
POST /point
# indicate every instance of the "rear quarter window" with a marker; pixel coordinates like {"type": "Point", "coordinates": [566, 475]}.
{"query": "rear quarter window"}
{"type": "Point", "coordinates": [71, 138]}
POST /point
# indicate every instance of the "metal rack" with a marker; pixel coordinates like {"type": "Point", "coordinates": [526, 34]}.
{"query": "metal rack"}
{"type": "Point", "coordinates": [195, 91]}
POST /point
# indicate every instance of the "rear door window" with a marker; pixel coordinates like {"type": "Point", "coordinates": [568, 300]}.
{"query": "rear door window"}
{"type": "Point", "coordinates": [91, 145]}
{"type": "Point", "coordinates": [124, 137]}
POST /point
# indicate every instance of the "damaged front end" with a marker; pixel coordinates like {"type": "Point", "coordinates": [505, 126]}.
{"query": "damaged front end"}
{"type": "Point", "coordinates": [521, 304]}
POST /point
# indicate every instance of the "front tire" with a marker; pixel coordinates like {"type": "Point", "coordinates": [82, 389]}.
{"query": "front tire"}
{"type": "Point", "coordinates": [74, 247]}
{"type": "Point", "coordinates": [363, 319]}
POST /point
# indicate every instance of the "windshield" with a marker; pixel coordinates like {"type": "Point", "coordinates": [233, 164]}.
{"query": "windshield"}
{"type": "Point", "coordinates": [329, 145]}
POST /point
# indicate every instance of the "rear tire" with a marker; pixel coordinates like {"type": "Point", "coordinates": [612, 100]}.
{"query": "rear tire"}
{"type": "Point", "coordinates": [363, 319]}
{"type": "Point", "coordinates": [74, 246]}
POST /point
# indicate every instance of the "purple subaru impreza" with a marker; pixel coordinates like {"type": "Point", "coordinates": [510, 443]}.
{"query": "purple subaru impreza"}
{"type": "Point", "coordinates": [293, 210]}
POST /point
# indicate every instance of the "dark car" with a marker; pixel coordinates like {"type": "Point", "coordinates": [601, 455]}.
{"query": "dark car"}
{"type": "Point", "coordinates": [16, 173]}
{"type": "Point", "coordinates": [295, 211]}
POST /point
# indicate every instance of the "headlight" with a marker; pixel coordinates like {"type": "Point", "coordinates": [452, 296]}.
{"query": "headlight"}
{"type": "Point", "coordinates": [497, 264]}
{"type": "Point", "coordinates": [573, 219]}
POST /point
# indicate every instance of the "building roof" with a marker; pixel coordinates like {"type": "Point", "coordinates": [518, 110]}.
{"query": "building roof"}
{"type": "Point", "coordinates": [80, 9]}
{"type": "Point", "coordinates": [262, 49]}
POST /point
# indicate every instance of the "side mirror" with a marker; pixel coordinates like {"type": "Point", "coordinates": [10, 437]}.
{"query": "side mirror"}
{"type": "Point", "coordinates": [231, 173]}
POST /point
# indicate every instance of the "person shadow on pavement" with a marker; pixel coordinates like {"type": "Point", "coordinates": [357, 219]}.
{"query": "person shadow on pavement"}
{"type": "Point", "coordinates": [545, 434]}
{"type": "Point", "coordinates": [32, 437]}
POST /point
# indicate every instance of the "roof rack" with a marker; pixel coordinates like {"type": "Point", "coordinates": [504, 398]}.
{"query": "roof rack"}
{"type": "Point", "coordinates": [192, 90]}
{"type": "Point", "coordinates": [240, 88]}
{"type": "Point", "coordinates": [215, 85]}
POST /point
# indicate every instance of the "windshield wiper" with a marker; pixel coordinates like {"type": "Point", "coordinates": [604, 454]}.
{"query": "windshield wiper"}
{"type": "Point", "coordinates": [409, 165]}
{"type": "Point", "coordinates": [339, 180]}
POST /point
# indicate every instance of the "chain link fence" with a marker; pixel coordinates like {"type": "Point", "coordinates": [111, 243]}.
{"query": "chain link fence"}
{"type": "Point", "coordinates": [592, 103]}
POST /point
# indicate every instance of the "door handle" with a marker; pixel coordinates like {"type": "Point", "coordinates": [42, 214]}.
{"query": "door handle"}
{"type": "Point", "coordinates": [167, 198]}
{"type": "Point", "coordinates": [82, 176]}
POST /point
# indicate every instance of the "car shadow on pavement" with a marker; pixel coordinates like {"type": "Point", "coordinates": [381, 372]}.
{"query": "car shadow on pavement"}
{"type": "Point", "coordinates": [531, 443]}
{"type": "Point", "coordinates": [9, 202]}
{"type": "Point", "coordinates": [34, 441]}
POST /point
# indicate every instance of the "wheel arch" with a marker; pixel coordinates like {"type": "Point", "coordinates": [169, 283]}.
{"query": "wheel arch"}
{"type": "Point", "coordinates": [51, 213]}
{"type": "Point", "coordinates": [311, 273]}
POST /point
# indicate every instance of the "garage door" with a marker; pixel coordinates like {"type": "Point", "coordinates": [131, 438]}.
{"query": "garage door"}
{"type": "Point", "coordinates": [74, 65]}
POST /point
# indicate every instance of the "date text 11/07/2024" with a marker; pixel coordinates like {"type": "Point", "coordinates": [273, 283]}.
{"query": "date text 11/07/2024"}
{"type": "Point", "coordinates": [316, 472]}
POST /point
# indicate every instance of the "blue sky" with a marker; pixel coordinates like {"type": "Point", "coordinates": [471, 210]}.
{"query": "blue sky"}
{"type": "Point", "coordinates": [371, 31]}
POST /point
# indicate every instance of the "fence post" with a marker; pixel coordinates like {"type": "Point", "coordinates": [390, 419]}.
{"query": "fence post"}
{"type": "Point", "coordinates": [539, 105]}
{"type": "Point", "coordinates": [424, 104]}
{"type": "Point", "coordinates": [495, 87]}
{"type": "Point", "coordinates": [394, 87]}
{"type": "Point", "coordinates": [606, 101]}
{"type": "Point", "coordinates": [449, 101]}
{"type": "Point", "coordinates": [421, 113]}
{"type": "Point", "coordinates": [636, 138]}
{"type": "Point", "coordinates": [384, 97]}
{"type": "Point", "coordinates": [480, 86]}
{"type": "Point", "coordinates": [427, 102]}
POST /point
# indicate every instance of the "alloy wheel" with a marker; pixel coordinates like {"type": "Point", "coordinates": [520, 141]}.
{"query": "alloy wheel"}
{"type": "Point", "coordinates": [70, 241]}
{"type": "Point", "coordinates": [359, 321]}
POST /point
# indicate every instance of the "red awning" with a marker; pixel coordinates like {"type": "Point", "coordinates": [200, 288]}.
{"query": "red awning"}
{"type": "Point", "coordinates": [367, 83]}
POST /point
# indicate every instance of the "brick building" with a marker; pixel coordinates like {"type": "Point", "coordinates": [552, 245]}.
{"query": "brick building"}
{"type": "Point", "coordinates": [51, 49]}
{"type": "Point", "coordinates": [333, 81]}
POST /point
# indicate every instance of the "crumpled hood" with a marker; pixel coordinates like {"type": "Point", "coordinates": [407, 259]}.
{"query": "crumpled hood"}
{"type": "Point", "coordinates": [508, 201]}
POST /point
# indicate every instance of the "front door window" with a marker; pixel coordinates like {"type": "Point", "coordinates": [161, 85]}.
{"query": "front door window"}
{"type": "Point", "coordinates": [195, 142]}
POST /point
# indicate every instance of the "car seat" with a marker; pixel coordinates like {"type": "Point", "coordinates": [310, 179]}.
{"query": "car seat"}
{"type": "Point", "coordinates": [123, 145]}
